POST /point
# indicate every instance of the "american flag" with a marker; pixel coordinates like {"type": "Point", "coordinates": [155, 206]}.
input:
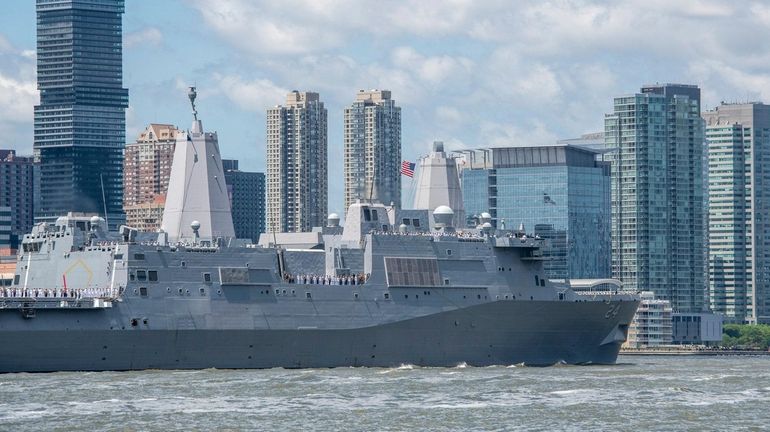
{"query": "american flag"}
{"type": "Point", "coordinates": [407, 168]}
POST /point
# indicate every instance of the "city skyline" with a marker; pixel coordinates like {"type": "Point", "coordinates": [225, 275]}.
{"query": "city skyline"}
{"type": "Point", "coordinates": [429, 59]}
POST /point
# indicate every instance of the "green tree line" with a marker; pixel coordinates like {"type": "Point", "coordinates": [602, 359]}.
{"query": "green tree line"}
{"type": "Point", "coordinates": [743, 336]}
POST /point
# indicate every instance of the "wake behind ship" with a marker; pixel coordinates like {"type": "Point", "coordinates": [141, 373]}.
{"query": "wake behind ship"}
{"type": "Point", "coordinates": [391, 287]}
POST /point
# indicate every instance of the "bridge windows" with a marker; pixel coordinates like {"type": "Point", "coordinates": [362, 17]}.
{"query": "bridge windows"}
{"type": "Point", "coordinates": [207, 277]}
{"type": "Point", "coordinates": [141, 275]}
{"type": "Point", "coordinates": [143, 291]}
{"type": "Point", "coordinates": [139, 256]}
{"type": "Point", "coordinates": [152, 275]}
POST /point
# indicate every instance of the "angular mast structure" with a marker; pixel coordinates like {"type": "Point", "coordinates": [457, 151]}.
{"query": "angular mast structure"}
{"type": "Point", "coordinates": [197, 205]}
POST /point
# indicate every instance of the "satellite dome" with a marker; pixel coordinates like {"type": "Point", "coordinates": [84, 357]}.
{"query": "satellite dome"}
{"type": "Point", "coordinates": [195, 225]}
{"type": "Point", "coordinates": [443, 216]}
{"type": "Point", "coordinates": [485, 215]}
{"type": "Point", "coordinates": [333, 220]}
{"type": "Point", "coordinates": [95, 220]}
{"type": "Point", "coordinates": [486, 226]}
{"type": "Point", "coordinates": [402, 228]}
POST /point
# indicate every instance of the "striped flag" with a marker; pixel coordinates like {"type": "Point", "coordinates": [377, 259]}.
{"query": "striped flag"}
{"type": "Point", "coordinates": [407, 168]}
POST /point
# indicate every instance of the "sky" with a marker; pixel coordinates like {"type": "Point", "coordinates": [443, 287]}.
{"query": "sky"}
{"type": "Point", "coordinates": [469, 73]}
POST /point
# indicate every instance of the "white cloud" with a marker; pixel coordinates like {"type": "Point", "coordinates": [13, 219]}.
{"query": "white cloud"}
{"type": "Point", "coordinates": [253, 95]}
{"type": "Point", "coordinates": [17, 99]}
{"type": "Point", "coordinates": [148, 36]}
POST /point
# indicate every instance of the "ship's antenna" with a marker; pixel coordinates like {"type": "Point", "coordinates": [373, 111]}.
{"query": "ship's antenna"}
{"type": "Point", "coordinates": [104, 202]}
{"type": "Point", "coordinates": [192, 94]}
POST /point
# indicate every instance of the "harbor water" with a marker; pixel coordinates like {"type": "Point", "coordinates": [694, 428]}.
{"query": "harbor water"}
{"type": "Point", "coordinates": [639, 393]}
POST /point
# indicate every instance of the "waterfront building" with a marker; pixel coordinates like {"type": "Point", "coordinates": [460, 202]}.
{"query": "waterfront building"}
{"type": "Point", "coordinates": [80, 122]}
{"type": "Point", "coordinates": [738, 139]}
{"type": "Point", "coordinates": [147, 164]}
{"type": "Point", "coordinates": [696, 328]}
{"type": "Point", "coordinates": [247, 200]}
{"type": "Point", "coordinates": [297, 185]}
{"type": "Point", "coordinates": [18, 185]}
{"type": "Point", "coordinates": [652, 324]}
{"type": "Point", "coordinates": [5, 230]}
{"type": "Point", "coordinates": [657, 193]}
{"type": "Point", "coordinates": [372, 139]}
{"type": "Point", "coordinates": [146, 216]}
{"type": "Point", "coordinates": [560, 193]}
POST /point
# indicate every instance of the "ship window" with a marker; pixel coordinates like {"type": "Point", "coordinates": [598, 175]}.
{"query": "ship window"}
{"type": "Point", "coordinates": [561, 296]}
{"type": "Point", "coordinates": [367, 215]}
{"type": "Point", "coordinates": [139, 256]}
{"type": "Point", "coordinates": [449, 252]}
{"type": "Point", "coordinates": [355, 295]}
{"type": "Point", "coordinates": [374, 215]}
{"type": "Point", "coordinates": [542, 282]}
{"type": "Point", "coordinates": [152, 275]}
{"type": "Point", "coordinates": [537, 280]}
{"type": "Point", "coordinates": [416, 223]}
{"type": "Point", "coordinates": [307, 294]}
{"type": "Point", "coordinates": [141, 275]}
{"type": "Point", "coordinates": [207, 277]}
{"type": "Point", "coordinates": [405, 221]}
{"type": "Point", "coordinates": [478, 296]}
{"type": "Point", "coordinates": [203, 291]}
{"type": "Point", "coordinates": [118, 256]}
{"type": "Point", "coordinates": [406, 296]}
{"type": "Point", "coordinates": [446, 281]}
{"type": "Point", "coordinates": [277, 291]}
{"type": "Point", "coordinates": [184, 264]}
{"type": "Point", "coordinates": [387, 296]}
{"type": "Point", "coordinates": [16, 279]}
{"type": "Point", "coordinates": [143, 291]}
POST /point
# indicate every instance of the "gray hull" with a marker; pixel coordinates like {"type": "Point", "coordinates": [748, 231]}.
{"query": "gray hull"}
{"type": "Point", "coordinates": [494, 333]}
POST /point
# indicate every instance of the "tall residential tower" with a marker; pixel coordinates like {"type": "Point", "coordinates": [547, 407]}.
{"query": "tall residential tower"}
{"type": "Point", "coordinates": [373, 148]}
{"type": "Point", "coordinates": [657, 193]}
{"type": "Point", "coordinates": [80, 124]}
{"type": "Point", "coordinates": [738, 137]}
{"type": "Point", "coordinates": [297, 185]}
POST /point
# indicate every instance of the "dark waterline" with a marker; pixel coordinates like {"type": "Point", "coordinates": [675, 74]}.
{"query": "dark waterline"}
{"type": "Point", "coordinates": [639, 393]}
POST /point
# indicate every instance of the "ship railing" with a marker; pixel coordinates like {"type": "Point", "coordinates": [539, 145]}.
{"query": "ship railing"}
{"type": "Point", "coordinates": [311, 279]}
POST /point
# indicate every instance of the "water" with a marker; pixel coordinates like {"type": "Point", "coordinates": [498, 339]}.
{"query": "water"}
{"type": "Point", "coordinates": [640, 393]}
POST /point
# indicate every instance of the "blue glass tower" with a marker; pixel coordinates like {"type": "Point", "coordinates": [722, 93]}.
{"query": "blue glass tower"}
{"type": "Point", "coordinates": [561, 193]}
{"type": "Point", "coordinates": [80, 123]}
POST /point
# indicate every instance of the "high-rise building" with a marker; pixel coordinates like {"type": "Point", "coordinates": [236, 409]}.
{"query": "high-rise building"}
{"type": "Point", "coordinates": [80, 122]}
{"type": "Point", "coordinates": [18, 183]}
{"type": "Point", "coordinates": [247, 202]}
{"type": "Point", "coordinates": [146, 170]}
{"type": "Point", "coordinates": [560, 193]}
{"type": "Point", "coordinates": [373, 148]}
{"type": "Point", "coordinates": [297, 185]}
{"type": "Point", "coordinates": [5, 230]}
{"type": "Point", "coordinates": [657, 193]}
{"type": "Point", "coordinates": [738, 137]}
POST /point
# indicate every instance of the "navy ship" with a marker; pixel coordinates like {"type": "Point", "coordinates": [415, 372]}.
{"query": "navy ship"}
{"type": "Point", "coordinates": [391, 287]}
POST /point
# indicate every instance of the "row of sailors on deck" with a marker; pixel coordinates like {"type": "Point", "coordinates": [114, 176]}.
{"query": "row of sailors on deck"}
{"type": "Point", "coordinates": [78, 293]}
{"type": "Point", "coordinates": [358, 279]}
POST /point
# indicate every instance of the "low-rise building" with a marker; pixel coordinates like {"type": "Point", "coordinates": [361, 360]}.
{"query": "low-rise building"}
{"type": "Point", "coordinates": [651, 326]}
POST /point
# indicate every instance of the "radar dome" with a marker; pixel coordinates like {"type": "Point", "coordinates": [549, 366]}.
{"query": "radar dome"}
{"type": "Point", "coordinates": [333, 220]}
{"type": "Point", "coordinates": [195, 225]}
{"type": "Point", "coordinates": [443, 215]}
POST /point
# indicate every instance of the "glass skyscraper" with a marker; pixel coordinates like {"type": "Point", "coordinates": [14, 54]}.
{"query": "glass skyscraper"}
{"type": "Point", "coordinates": [561, 193]}
{"type": "Point", "coordinates": [657, 193]}
{"type": "Point", "coordinates": [738, 137]}
{"type": "Point", "coordinates": [80, 122]}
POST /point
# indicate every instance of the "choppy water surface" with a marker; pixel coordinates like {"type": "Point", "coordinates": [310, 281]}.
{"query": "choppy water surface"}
{"type": "Point", "coordinates": [640, 393]}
